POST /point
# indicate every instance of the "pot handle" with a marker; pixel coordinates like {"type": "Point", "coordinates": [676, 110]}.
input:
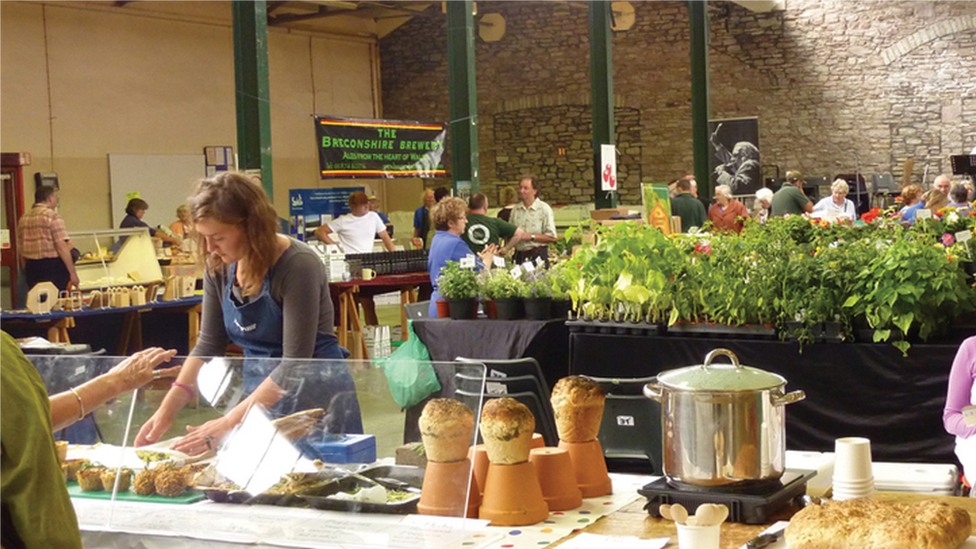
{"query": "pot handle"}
{"type": "Point", "coordinates": [789, 398]}
{"type": "Point", "coordinates": [723, 352]}
{"type": "Point", "coordinates": [652, 391]}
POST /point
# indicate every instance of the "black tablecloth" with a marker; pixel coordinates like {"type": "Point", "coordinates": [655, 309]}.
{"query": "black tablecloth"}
{"type": "Point", "coordinates": [852, 389]}
{"type": "Point", "coordinates": [545, 340]}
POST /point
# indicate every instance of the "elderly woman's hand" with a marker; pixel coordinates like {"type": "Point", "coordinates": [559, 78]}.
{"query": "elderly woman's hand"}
{"type": "Point", "coordinates": [139, 369]}
{"type": "Point", "coordinates": [488, 254]}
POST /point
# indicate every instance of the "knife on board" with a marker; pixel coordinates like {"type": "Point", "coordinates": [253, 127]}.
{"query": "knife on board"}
{"type": "Point", "coordinates": [765, 540]}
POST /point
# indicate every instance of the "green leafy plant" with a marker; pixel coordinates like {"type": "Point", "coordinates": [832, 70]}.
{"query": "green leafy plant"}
{"type": "Point", "coordinates": [500, 284]}
{"type": "Point", "coordinates": [537, 285]}
{"type": "Point", "coordinates": [457, 283]}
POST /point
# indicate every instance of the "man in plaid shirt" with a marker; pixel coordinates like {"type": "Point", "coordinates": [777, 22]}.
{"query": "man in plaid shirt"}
{"type": "Point", "coordinates": [43, 245]}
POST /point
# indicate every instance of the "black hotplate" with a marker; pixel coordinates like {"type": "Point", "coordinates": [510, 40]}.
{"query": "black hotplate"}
{"type": "Point", "coordinates": [755, 503]}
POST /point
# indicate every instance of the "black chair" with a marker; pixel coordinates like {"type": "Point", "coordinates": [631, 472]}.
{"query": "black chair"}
{"type": "Point", "coordinates": [630, 432]}
{"type": "Point", "coordinates": [526, 366]}
{"type": "Point", "coordinates": [545, 424]}
{"type": "Point", "coordinates": [884, 188]}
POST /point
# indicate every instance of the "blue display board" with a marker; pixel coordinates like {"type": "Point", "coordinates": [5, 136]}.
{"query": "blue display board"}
{"type": "Point", "coordinates": [309, 209]}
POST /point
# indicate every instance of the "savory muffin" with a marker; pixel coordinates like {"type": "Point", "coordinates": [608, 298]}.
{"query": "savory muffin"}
{"type": "Point", "coordinates": [145, 482]}
{"type": "Point", "coordinates": [71, 468]}
{"type": "Point", "coordinates": [577, 403]}
{"type": "Point", "coordinates": [62, 447]}
{"type": "Point", "coordinates": [108, 479]}
{"type": "Point", "coordinates": [90, 479]}
{"type": "Point", "coordinates": [446, 426]}
{"type": "Point", "coordinates": [170, 482]}
{"type": "Point", "coordinates": [507, 426]}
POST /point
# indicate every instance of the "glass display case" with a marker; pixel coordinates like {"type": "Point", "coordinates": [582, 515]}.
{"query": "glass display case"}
{"type": "Point", "coordinates": [115, 257]}
{"type": "Point", "coordinates": [315, 457]}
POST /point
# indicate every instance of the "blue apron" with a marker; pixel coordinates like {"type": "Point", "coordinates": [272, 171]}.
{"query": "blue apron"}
{"type": "Point", "coordinates": [258, 327]}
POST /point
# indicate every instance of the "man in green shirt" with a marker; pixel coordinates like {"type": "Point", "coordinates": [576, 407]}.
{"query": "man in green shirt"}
{"type": "Point", "coordinates": [687, 207]}
{"type": "Point", "coordinates": [483, 230]}
{"type": "Point", "coordinates": [789, 199]}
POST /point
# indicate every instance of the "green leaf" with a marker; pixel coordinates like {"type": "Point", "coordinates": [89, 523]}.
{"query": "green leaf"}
{"type": "Point", "coordinates": [904, 322]}
{"type": "Point", "coordinates": [851, 301]}
{"type": "Point", "coordinates": [673, 317]}
{"type": "Point", "coordinates": [902, 346]}
{"type": "Point", "coordinates": [881, 335]}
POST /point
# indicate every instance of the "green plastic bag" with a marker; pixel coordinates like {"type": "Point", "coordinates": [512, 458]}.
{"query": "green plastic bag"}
{"type": "Point", "coordinates": [409, 372]}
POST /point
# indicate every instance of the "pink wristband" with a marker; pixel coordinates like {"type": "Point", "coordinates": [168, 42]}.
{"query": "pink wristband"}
{"type": "Point", "coordinates": [185, 387]}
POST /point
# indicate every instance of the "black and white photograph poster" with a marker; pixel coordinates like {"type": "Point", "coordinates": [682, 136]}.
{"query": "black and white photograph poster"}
{"type": "Point", "coordinates": [735, 154]}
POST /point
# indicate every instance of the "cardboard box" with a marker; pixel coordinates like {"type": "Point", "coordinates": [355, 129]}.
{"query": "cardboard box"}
{"type": "Point", "coordinates": [607, 213]}
{"type": "Point", "coordinates": [346, 449]}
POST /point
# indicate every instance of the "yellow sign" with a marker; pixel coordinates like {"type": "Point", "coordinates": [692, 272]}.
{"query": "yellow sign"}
{"type": "Point", "coordinates": [130, 196]}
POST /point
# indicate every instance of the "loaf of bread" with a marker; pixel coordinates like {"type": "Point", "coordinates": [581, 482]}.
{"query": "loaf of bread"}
{"type": "Point", "coordinates": [577, 403]}
{"type": "Point", "coordinates": [507, 426]}
{"type": "Point", "coordinates": [446, 427]}
{"type": "Point", "coordinates": [872, 524]}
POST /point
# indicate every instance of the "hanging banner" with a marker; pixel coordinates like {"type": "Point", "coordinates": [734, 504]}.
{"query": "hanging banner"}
{"type": "Point", "coordinates": [735, 162]}
{"type": "Point", "coordinates": [608, 159]}
{"type": "Point", "coordinates": [350, 148]}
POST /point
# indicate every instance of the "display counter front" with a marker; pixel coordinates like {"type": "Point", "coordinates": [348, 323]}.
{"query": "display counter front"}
{"type": "Point", "coordinates": [115, 257]}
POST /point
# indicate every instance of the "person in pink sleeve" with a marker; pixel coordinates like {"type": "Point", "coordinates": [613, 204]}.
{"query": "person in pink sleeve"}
{"type": "Point", "coordinates": [959, 396]}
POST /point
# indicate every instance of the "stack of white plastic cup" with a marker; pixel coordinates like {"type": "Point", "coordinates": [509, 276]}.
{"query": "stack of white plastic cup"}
{"type": "Point", "coordinates": [853, 477]}
{"type": "Point", "coordinates": [699, 537]}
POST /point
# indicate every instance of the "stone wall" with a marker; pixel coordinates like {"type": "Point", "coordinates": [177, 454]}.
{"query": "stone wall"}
{"type": "Point", "coordinates": [836, 85]}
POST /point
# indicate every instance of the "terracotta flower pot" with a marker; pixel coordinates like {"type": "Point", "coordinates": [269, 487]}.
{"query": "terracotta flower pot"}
{"type": "Point", "coordinates": [513, 496]}
{"type": "Point", "coordinates": [590, 467]}
{"type": "Point", "coordinates": [557, 478]}
{"type": "Point", "coordinates": [449, 490]}
{"type": "Point", "coordinates": [490, 310]}
{"type": "Point", "coordinates": [443, 309]}
{"type": "Point", "coordinates": [479, 465]}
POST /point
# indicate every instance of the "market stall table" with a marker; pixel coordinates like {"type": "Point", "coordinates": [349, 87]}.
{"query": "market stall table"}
{"type": "Point", "coordinates": [348, 310]}
{"type": "Point", "coordinates": [130, 336]}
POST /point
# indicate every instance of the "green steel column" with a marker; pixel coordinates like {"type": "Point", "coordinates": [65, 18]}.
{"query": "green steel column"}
{"type": "Point", "coordinates": [700, 110]}
{"type": "Point", "coordinates": [463, 93]}
{"type": "Point", "coordinates": [601, 93]}
{"type": "Point", "coordinates": [251, 83]}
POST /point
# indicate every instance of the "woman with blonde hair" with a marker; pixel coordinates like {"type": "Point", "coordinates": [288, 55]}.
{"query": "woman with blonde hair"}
{"type": "Point", "coordinates": [935, 200]}
{"type": "Point", "coordinates": [263, 291]}
{"type": "Point", "coordinates": [509, 198]}
{"type": "Point", "coordinates": [182, 227]}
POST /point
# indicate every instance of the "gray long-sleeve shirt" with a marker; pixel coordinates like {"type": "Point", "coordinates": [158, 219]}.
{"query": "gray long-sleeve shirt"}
{"type": "Point", "coordinates": [298, 285]}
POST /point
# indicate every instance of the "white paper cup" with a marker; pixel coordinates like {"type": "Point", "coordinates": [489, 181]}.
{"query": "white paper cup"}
{"type": "Point", "coordinates": [698, 537]}
{"type": "Point", "coordinates": [843, 495]}
{"type": "Point", "coordinates": [852, 460]}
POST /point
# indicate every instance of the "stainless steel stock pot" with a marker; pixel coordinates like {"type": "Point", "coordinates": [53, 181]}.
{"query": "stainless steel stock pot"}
{"type": "Point", "coordinates": [723, 424]}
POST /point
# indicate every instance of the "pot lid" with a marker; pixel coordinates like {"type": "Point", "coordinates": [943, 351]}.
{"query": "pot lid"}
{"type": "Point", "coordinates": [720, 377]}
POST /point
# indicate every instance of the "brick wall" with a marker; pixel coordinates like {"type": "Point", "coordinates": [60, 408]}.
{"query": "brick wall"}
{"type": "Point", "coordinates": [836, 85]}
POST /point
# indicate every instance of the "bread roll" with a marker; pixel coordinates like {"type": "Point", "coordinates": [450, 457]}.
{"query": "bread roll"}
{"type": "Point", "coordinates": [507, 426]}
{"type": "Point", "coordinates": [446, 427]}
{"type": "Point", "coordinates": [577, 403]}
{"type": "Point", "coordinates": [872, 524]}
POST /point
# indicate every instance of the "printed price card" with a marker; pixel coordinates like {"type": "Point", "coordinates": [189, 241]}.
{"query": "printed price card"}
{"type": "Point", "coordinates": [516, 272]}
{"type": "Point", "coordinates": [499, 261]}
{"type": "Point", "coordinates": [528, 267]}
{"type": "Point", "coordinates": [539, 262]}
{"type": "Point", "coordinates": [963, 236]}
{"type": "Point", "coordinates": [467, 262]}
{"type": "Point", "coordinates": [923, 214]}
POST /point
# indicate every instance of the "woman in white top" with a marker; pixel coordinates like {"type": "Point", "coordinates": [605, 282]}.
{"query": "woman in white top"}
{"type": "Point", "coordinates": [838, 201]}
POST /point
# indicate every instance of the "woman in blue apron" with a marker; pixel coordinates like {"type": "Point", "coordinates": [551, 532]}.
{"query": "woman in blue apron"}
{"type": "Point", "coordinates": [268, 294]}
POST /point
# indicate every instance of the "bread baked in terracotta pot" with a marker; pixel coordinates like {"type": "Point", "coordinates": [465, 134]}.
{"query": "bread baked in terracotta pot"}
{"type": "Point", "coordinates": [446, 427]}
{"type": "Point", "coordinates": [507, 426]}
{"type": "Point", "coordinates": [577, 403]}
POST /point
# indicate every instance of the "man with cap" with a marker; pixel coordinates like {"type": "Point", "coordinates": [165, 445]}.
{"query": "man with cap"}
{"type": "Point", "coordinates": [789, 199]}
{"type": "Point", "coordinates": [374, 206]}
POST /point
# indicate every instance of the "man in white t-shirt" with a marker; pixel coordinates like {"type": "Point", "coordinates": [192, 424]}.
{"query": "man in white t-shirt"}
{"type": "Point", "coordinates": [357, 230]}
{"type": "Point", "coordinates": [356, 233]}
